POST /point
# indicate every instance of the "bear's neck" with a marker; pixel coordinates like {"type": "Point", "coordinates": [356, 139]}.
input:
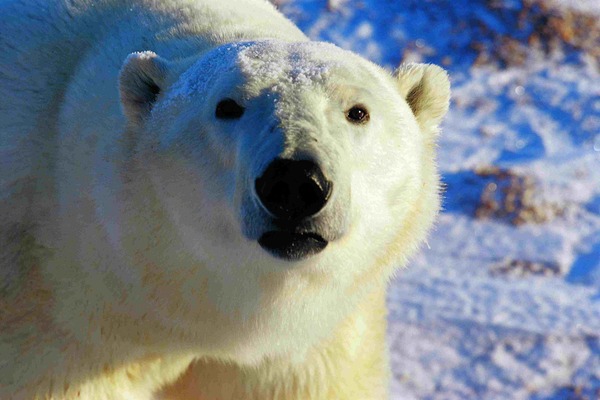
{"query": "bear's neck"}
{"type": "Point", "coordinates": [354, 354]}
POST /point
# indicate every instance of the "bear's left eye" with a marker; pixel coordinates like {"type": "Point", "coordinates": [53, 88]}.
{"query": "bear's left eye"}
{"type": "Point", "coordinates": [357, 114]}
{"type": "Point", "coordinates": [229, 109]}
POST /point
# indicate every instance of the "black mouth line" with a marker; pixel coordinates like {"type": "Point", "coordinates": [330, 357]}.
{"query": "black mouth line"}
{"type": "Point", "coordinates": [292, 245]}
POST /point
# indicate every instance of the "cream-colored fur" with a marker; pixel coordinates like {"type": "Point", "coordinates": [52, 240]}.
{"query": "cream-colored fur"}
{"type": "Point", "coordinates": [351, 364]}
{"type": "Point", "coordinates": [129, 262]}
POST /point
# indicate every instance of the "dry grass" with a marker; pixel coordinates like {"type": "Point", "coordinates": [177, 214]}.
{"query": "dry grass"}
{"type": "Point", "coordinates": [538, 27]}
{"type": "Point", "coordinates": [510, 197]}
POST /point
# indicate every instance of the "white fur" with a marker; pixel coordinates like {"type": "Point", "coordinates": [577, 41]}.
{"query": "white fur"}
{"type": "Point", "coordinates": [126, 222]}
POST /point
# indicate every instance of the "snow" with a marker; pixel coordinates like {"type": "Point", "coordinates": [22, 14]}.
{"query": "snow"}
{"type": "Point", "coordinates": [504, 302]}
{"type": "Point", "coordinates": [270, 67]}
{"type": "Point", "coordinates": [198, 76]}
{"type": "Point", "coordinates": [244, 55]}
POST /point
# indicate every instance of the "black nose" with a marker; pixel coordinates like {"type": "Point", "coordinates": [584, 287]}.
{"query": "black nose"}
{"type": "Point", "coordinates": [293, 189]}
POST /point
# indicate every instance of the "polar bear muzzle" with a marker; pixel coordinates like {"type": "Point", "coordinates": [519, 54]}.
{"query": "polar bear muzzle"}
{"type": "Point", "coordinates": [292, 191]}
{"type": "Point", "coordinates": [292, 246]}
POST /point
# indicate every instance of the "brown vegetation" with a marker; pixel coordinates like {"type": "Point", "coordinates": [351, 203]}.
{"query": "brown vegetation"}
{"type": "Point", "coordinates": [509, 196]}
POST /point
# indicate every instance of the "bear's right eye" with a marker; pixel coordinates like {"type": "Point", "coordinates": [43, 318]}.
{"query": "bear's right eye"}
{"type": "Point", "coordinates": [229, 109]}
{"type": "Point", "coordinates": [357, 114]}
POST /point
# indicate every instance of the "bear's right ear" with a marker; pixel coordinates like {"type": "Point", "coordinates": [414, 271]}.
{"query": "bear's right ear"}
{"type": "Point", "coordinates": [141, 79]}
{"type": "Point", "coordinates": [426, 88]}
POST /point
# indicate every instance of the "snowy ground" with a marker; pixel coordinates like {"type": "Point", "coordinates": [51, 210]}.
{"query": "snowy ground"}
{"type": "Point", "coordinates": [505, 301]}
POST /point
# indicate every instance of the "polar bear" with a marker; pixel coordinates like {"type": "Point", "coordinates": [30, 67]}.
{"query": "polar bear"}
{"type": "Point", "coordinates": [198, 202]}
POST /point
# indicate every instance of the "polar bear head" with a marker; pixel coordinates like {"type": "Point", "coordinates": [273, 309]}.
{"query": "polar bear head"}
{"type": "Point", "coordinates": [270, 183]}
{"type": "Point", "coordinates": [279, 156]}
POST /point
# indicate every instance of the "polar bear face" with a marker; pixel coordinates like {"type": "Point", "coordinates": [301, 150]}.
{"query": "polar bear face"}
{"type": "Point", "coordinates": [273, 156]}
{"type": "Point", "coordinates": [273, 185]}
{"type": "Point", "coordinates": [285, 154]}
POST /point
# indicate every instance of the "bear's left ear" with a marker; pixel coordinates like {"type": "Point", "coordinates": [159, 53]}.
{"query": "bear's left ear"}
{"type": "Point", "coordinates": [426, 88]}
{"type": "Point", "coordinates": [141, 79]}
